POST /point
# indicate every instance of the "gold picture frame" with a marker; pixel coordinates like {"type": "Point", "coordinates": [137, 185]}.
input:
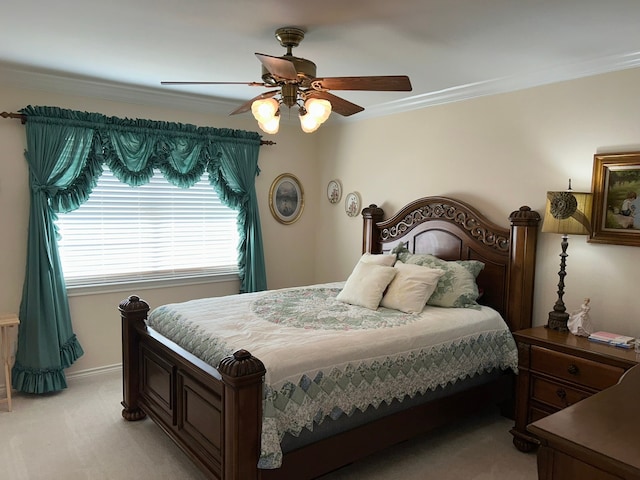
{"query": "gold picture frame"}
{"type": "Point", "coordinates": [616, 199]}
{"type": "Point", "coordinates": [286, 198]}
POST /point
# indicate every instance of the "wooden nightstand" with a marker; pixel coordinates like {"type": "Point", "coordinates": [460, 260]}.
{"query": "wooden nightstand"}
{"type": "Point", "coordinates": [557, 369]}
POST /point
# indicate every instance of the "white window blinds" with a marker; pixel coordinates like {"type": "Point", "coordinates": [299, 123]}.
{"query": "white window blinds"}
{"type": "Point", "coordinates": [152, 232]}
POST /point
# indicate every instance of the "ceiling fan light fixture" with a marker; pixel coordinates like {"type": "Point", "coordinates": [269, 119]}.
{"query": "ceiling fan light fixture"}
{"type": "Point", "coordinates": [309, 123]}
{"type": "Point", "coordinates": [264, 110]}
{"type": "Point", "coordinates": [318, 108]}
{"type": "Point", "coordinates": [271, 126]}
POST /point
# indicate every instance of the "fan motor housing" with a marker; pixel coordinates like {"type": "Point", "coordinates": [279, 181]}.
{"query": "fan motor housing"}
{"type": "Point", "coordinates": [306, 70]}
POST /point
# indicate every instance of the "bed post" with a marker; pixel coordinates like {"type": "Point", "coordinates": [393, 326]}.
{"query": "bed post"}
{"type": "Point", "coordinates": [371, 233]}
{"type": "Point", "coordinates": [133, 311]}
{"type": "Point", "coordinates": [242, 374]}
{"type": "Point", "coordinates": [522, 263]}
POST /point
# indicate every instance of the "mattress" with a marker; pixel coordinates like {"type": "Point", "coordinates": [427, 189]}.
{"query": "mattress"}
{"type": "Point", "coordinates": [326, 359]}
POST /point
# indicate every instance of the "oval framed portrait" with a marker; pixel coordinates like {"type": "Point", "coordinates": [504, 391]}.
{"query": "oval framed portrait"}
{"type": "Point", "coordinates": [352, 204]}
{"type": "Point", "coordinates": [286, 198]}
{"type": "Point", "coordinates": [334, 191]}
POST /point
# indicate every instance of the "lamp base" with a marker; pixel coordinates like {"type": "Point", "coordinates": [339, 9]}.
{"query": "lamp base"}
{"type": "Point", "coordinates": [558, 321]}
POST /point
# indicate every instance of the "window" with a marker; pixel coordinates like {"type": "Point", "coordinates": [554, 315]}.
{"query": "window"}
{"type": "Point", "coordinates": [153, 232]}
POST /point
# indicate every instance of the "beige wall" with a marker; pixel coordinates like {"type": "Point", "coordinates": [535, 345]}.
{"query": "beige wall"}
{"type": "Point", "coordinates": [498, 152]}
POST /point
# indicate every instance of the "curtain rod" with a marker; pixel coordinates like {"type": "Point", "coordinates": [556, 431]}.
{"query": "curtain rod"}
{"type": "Point", "coordinates": [23, 120]}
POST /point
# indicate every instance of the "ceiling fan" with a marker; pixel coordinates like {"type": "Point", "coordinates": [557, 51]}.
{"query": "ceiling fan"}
{"type": "Point", "coordinates": [297, 85]}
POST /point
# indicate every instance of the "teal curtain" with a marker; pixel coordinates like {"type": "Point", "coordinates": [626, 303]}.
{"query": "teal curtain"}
{"type": "Point", "coordinates": [65, 153]}
{"type": "Point", "coordinates": [55, 154]}
{"type": "Point", "coordinates": [233, 177]}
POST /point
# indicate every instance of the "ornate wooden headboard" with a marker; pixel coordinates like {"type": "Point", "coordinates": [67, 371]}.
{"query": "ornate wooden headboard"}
{"type": "Point", "coordinates": [453, 230]}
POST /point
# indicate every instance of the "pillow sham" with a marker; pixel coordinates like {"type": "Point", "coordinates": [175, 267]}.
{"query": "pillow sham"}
{"type": "Point", "coordinates": [379, 259]}
{"type": "Point", "coordinates": [411, 287]}
{"type": "Point", "coordinates": [457, 287]}
{"type": "Point", "coordinates": [366, 284]}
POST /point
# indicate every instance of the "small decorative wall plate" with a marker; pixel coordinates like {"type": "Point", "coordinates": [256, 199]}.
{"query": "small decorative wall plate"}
{"type": "Point", "coordinates": [334, 191]}
{"type": "Point", "coordinates": [352, 204]}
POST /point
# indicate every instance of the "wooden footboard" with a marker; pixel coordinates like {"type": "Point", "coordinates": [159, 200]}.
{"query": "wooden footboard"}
{"type": "Point", "coordinates": [215, 414]}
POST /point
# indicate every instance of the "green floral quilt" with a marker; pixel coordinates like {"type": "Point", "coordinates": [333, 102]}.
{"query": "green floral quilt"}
{"type": "Point", "coordinates": [325, 358]}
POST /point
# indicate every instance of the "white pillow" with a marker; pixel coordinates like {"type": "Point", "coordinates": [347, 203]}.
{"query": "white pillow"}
{"type": "Point", "coordinates": [379, 259]}
{"type": "Point", "coordinates": [411, 287]}
{"type": "Point", "coordinates": [366, 284]}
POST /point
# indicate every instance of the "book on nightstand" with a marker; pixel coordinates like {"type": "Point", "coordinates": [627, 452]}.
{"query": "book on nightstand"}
{"type": "Point", "coordinates": [614, 339]}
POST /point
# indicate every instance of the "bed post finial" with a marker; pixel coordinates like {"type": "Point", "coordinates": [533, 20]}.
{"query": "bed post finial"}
{"type": "Point", "coordinates": [241, 364]}
{"type": "Point", "coordinates": [371, 233]}
{"type": "Point", "coordinates": [524, 232]}
{"type": "Point", "coordinates": [133, 311]}
{"type": "Point", "coordinates": [242, 375]}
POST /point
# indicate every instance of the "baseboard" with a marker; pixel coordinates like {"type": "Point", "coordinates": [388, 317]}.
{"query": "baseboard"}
{"type": "Point", "coordinates": [95, 371]}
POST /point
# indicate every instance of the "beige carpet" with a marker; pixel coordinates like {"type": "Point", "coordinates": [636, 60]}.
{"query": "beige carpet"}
{"type": "Point", "coordinates": [79, 434]}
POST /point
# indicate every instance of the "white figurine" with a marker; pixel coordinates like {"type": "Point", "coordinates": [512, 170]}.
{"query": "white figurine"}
{"type": "Point", "coordinates": [579, 322]}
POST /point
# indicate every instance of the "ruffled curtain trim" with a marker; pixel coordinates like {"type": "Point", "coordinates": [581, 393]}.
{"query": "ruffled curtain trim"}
{"type": "Point", "coordinates": [70, 198]}
{"type": "Point", "coordinates": [30, 380]}
{"type": "Point", "coordinates": [70, 352]}
{"type": "Point", "coordinates": [46, 380]}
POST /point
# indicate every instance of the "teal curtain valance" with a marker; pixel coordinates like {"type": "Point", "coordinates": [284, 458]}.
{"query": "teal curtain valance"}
{"type": "Point", "coordinates": [66, 150]}
{"type": "Point", "coordinates": [132, 148]}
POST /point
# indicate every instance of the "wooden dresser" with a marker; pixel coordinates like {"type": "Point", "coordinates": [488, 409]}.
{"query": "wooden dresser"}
{"type": "Point", "coordinates": [595, 439]}
{"type": "Point", "coordinates": [558, 369]}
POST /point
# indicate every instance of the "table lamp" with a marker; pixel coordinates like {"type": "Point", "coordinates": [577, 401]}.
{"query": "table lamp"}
{"type": "Point", "coordinates": [567, 213]}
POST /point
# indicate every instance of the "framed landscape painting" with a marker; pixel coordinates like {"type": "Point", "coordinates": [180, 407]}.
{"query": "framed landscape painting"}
{"type": "Point", "coordinates": [616, 199]}
{"type": "Point", "coordinates": [286, 198]}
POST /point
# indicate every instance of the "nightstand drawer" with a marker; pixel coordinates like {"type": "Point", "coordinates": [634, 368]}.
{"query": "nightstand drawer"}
{"type": "Point", "coordinates": [574, 369]}
{"type": "Point", "coordinates": [555, 394]}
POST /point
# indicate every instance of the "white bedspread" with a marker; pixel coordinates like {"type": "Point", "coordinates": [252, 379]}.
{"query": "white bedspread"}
{"type": "Point", "coordinates": [325, 358]}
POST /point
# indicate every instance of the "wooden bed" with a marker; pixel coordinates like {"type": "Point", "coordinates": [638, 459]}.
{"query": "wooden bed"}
{"type": "Point", "coordinates": [214, 414]}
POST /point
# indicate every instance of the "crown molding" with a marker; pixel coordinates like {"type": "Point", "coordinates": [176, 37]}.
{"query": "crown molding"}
{"type": "Point", "coordinates": [58, 82]}
{"type": "Point", "coordinates": [61, 83]}
{"type": "Point", "coordinates": [559, 73]}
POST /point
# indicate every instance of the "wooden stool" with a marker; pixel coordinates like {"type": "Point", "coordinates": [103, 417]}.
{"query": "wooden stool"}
{"type": "Point", "coordinates": [7, 321]}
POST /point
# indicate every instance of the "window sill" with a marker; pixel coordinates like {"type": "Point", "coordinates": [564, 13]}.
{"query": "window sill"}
{"type": "Point", "coordinates": [128, 286]}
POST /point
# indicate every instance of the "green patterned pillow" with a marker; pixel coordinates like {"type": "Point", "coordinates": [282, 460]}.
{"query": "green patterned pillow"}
{"type": "Point", "coordinates": [457, 287]}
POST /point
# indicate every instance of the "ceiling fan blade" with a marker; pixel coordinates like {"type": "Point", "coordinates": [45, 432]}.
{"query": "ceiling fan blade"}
{"type": "Point", "coordinates": [245, 107]}
{"type": "Point", "coordinates": [251, 84]}
{"type": "Point", "coordinates": [278, 67]}
{"type": "Point", "coordinates": [389, 83]}
{"type": "Point", "coordinates": [338, 105]}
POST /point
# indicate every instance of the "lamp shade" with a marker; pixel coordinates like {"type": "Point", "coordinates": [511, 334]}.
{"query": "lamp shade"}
{"type": "Point", "coordinates": [568, 213]}
{"type": "Point", "coordinates": [271, 125]}
{"type": "Point", "coordinates": [318, 108]}
{"type": "Point", "coordinates": [264, 109]}
{"type": "Point", "coordinates": [309, 123]}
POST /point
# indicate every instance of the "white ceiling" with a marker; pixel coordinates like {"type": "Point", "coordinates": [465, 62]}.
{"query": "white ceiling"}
{"type": "Point", "coordinates": [451, 49]}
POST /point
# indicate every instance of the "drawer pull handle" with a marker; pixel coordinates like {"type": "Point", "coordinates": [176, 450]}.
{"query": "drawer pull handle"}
{"type": "Point", "coordinates": [573, 370]}
{"type": "Point", "coordinates": [561, 393]}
